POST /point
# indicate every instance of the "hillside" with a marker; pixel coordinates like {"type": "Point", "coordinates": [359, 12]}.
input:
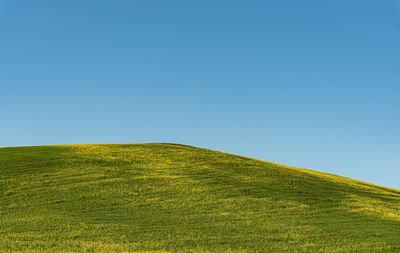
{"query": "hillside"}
{"type": "Point", "coordinates": [175, 198]}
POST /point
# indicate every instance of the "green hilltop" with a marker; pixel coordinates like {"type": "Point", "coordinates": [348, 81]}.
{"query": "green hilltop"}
{"type": "Point", "coordinates": [176, 198]}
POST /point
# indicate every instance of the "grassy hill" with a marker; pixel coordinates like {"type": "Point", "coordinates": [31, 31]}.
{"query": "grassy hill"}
{"type": "Point", "coordinates": [175, 198]}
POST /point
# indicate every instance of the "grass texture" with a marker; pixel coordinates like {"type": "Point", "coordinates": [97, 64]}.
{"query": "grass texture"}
{"type": "Point", "coordinates": [176, 198]}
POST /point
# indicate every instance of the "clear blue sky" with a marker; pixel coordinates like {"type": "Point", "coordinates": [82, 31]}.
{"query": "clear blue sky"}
{"type": "Point", "coordinates": [313, 84]}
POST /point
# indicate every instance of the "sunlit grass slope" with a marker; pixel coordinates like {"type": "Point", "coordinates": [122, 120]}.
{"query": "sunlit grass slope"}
{"type": "Point", "coordinates": [175, 198]}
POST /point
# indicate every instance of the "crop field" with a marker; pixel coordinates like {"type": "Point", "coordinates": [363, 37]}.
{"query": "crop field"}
{"type": "Point", "coordinates": [176, 198]}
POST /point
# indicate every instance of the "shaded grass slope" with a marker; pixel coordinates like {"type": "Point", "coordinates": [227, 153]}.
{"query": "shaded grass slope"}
{"type": "Point", "coordinates": [176, 198]}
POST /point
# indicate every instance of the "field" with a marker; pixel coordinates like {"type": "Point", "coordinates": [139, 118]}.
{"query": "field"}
{"type": "Point", "coordinates": [176, 198]}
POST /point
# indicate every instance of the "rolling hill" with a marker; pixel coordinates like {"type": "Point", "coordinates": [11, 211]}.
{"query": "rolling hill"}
{"type": "Point", "coordinates": [176, 198]}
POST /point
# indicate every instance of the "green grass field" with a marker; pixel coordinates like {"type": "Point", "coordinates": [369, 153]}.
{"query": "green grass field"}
{"type": "Point", "coordinates": [176, 198]}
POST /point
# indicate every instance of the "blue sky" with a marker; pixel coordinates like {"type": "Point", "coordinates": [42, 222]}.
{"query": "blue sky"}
{"type": "Point", "coordinates": [313, 84]}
